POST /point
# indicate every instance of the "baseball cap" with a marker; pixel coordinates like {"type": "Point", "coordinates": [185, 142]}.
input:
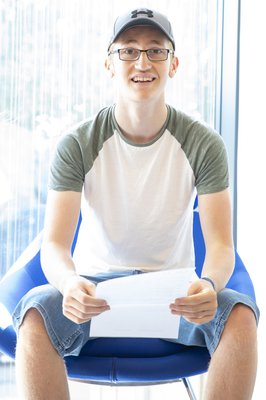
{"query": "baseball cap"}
{"type": "Point", "coordinates": [142, 16]}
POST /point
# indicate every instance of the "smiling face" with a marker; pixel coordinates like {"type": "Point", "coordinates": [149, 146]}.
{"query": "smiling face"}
{"type": "Point", "coordinates": [143, 79]}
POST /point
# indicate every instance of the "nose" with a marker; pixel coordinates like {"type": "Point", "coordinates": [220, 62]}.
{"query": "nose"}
{"type": "Point", "coordinates": [143, 63]}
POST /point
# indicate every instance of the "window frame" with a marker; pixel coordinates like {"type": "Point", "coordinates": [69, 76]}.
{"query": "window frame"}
{"type": "Point", "coordinates": [227, 89]}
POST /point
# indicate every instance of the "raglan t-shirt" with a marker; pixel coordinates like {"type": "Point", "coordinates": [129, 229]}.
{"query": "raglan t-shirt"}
{"type": "Point", "coordinates": [137, 199]}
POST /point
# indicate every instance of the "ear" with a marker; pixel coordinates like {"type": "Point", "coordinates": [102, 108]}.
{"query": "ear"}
{"type": "Point", "coordinates": [173, 67]}
{"type": "Point", "coordinates": [109, 67]}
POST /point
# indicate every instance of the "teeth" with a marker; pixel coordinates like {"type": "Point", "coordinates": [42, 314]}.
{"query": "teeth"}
{"type": "Point", "coordinates": [142, 79]}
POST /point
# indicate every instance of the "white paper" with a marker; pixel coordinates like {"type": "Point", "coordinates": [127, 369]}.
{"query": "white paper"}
{"type": "Point", "coordinates": [139, 304]}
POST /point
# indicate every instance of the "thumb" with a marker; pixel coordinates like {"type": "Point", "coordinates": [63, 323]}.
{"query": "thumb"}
{"type": "Point", "coordinates": [88, 287]}
{"type": "Point", "coordinates": [91, 289]}
{"type": "Point", "coordinates": [196, 287]}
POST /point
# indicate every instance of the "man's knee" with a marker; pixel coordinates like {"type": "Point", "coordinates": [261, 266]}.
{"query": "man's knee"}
{"type": "Point", "coordinates": [243, 315]}
{"type": "Point", "coordinates": [32, 325]}
{"type": "Point", "coordinates": [32, 335]}
{"type": "Point", "coordinates": [242, 322]}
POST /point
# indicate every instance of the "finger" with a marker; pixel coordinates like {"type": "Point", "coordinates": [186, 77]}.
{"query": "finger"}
{"type": "Point", "coordinates": [192, 308]}
{"type": "Point", "coordinates": [199, 315]}
{"type": "Point", "coordinates": [199, 320]}
{"type": "Point", "coordinates": [204, 297]}
{"type": "Point", "coordinates": [80, 317]}
{"type": "Point", "coordinates": [74, 318]}
{"type": "Point", "coordinates": [88, 300]}
{"type": "Point", "coordinates": [193, 312]}
{"type": "Point", "coordinates": [85, 309]}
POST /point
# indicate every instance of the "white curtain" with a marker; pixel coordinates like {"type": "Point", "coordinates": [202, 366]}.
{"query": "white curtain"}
{"type": "Point", "coordinates": [52, 75]}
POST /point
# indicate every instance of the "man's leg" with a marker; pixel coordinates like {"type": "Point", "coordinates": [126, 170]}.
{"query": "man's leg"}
{"type": "Point", "coordinates": [40, 370]}
{"type": "Point", "coordinates": [233, 367]}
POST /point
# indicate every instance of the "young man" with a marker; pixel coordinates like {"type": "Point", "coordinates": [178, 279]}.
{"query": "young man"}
{"type": "Point", "coordinates": [134, 171]}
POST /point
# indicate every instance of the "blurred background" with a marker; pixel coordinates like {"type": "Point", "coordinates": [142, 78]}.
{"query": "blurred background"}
{"type": "Point", "coordinates": [52, 76]}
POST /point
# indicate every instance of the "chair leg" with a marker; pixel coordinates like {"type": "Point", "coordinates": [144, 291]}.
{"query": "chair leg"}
{"type": "Point", "coordinates": [189, 389]}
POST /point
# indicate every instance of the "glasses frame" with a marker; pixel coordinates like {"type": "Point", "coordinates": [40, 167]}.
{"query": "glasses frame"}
{"type": "Point", "coordinates": [118, 51]}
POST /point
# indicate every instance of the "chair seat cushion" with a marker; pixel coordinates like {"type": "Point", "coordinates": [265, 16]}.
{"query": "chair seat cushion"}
{"type": "Point", "coordinates": [123, 361]}
{"type": "Point", "coordinates": [131, 347]}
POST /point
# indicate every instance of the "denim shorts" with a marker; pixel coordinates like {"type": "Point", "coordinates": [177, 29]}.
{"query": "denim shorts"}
{"type": "Point", "coordinates": [68, 338]}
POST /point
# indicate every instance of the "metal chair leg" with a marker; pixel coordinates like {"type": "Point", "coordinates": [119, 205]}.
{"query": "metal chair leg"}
{"type": "Point", "coordinates": [189, 389]}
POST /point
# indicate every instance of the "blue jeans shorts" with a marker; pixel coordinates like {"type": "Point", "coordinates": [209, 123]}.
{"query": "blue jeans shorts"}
{"type": "Point", "coordinates": [68, 338]}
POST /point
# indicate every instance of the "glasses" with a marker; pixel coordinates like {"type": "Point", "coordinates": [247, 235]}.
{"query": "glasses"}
{"type": "Point", "coordinates": [131, 54]}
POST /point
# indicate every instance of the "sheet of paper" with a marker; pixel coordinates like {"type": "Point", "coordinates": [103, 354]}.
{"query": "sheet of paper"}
{"type": "Point", "coordinates": [140, 304]}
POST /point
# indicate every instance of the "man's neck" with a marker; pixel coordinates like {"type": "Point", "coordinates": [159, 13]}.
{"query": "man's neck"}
{"type": "Point", "coordinates": [139, 123]}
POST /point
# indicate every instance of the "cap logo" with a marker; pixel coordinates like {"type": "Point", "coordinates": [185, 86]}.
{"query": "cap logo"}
{"type": "Point", "coordinates": [145, 11]}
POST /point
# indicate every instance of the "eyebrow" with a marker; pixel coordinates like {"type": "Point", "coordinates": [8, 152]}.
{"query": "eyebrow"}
{"type": "Point", "coordinates": [133, 41]}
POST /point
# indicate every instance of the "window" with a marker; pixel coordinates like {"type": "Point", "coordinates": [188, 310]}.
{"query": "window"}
{"type": "Point", "coordinates": [52, 76]}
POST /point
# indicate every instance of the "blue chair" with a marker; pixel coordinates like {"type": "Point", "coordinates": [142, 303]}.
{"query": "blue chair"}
{"type": "Point", "coordinates": [115, 361]}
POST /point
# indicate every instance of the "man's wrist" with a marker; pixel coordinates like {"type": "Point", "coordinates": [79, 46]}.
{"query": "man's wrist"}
{"type": "Point", "coordinates": [64, 280]}
{"type": "Point", "coordinates": [206, 278]}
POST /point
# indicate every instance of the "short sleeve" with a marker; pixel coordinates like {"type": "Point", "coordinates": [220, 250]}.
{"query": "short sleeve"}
{"type": "Point", "coordinates": [67, 168]}
{"type": "Point", "coordinates": [212, 175]}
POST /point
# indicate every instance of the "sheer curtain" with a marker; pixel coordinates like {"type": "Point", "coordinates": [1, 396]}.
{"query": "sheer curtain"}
{"type": "Point", "coordinates": [52, 75]}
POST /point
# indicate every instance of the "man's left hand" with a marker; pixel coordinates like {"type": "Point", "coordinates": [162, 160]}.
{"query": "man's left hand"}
{"type": "Point", "coordinates": [200, 304]}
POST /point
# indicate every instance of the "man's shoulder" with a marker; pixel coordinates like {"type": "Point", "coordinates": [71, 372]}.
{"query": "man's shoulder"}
{"type": "Point", "coordinates": [181, 121]}
{"type": "Point", "coordinates": [78, 148]}
{"type": "Point", "coordinates": [191, 132]}
{"type": "Point", "coordinates": [90, 134]}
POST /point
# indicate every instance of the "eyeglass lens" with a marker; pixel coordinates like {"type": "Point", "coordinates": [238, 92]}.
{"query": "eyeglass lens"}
{"type": "Point", "coordinates": [131, 54]}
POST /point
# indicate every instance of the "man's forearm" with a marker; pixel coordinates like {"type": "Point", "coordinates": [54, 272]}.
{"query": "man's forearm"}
{"type": "Point", "coordinates": [218, 265]}
{"type": "Point", "coordinates": [57, 264]}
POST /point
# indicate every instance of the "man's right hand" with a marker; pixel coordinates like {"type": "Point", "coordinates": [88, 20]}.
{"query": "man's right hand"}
{"type": "Point", "coordinates": [79, 301]}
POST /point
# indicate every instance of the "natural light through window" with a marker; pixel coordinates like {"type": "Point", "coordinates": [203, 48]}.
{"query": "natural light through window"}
{"type": "Point", "coordinates": [52, 76]}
